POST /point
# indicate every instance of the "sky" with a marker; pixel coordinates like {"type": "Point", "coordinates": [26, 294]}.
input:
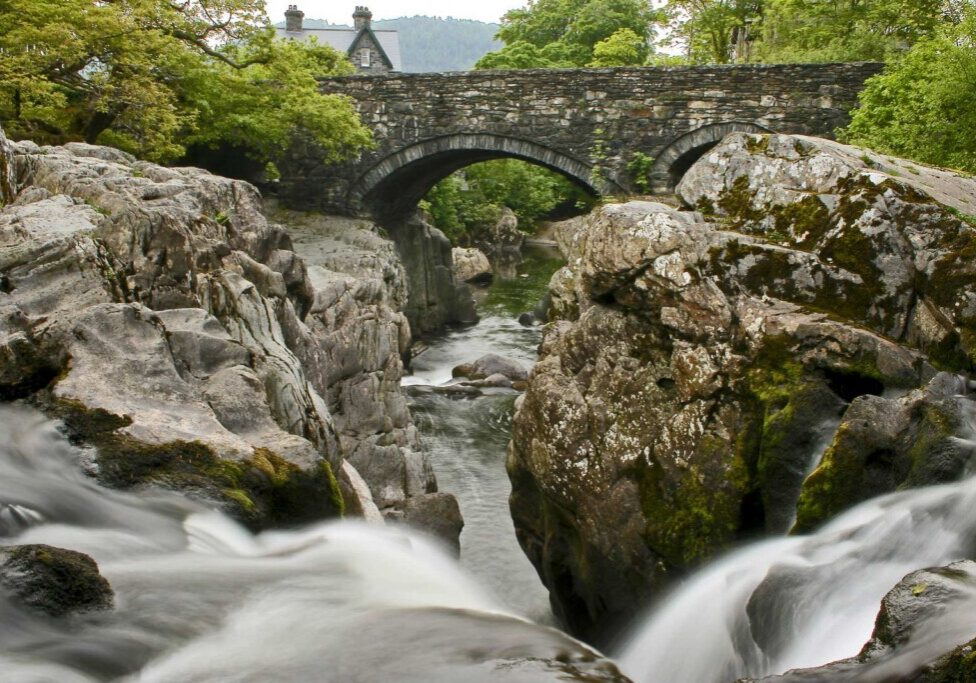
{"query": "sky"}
{"type": "Point", "coordinates": [340, 11]}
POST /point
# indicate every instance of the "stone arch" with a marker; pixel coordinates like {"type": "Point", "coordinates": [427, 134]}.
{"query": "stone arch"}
{"type": "Point", "coordinates": [675, 160]}
{"type": "Point", "coordinates": [394, 185]}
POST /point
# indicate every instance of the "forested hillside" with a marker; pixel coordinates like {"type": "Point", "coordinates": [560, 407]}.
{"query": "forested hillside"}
{"type": "Point", "coordinates": [435, 44]}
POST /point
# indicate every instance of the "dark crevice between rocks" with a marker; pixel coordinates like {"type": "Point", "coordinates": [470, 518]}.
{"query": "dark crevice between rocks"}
{"type": "Point", "coordinates": [43, 377]}
{"type": "Point", "coordinates": [850, 385]}
{"type": "Point", "coordinates": [6, 286]}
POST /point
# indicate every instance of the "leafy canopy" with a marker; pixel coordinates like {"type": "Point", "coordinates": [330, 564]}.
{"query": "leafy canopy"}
{"type": "Point", "coordinates": [472, 199]}
{"type": "Point", "coordinates": [924, 104]}
{"type": "Point", "coordinates": [565, 33]}
{"type": "Point", "coordinates": [153, 76]}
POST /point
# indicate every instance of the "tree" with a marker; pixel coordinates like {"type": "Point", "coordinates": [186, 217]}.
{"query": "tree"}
{"type": "Point", "coordinates": [151, 76]}
{"type": "Point", "coordinates": [713, 31]}
{"type": "Point", "coordinates": [623, 48]}
{"type": "Point", "coordinates": [566, 32]}
{"type": "Point", "coordinates": [847, 30]}
{"type": "Point", "coordinates": [472, 199]}
{"type": "Point", "coordinates": [923, 106]}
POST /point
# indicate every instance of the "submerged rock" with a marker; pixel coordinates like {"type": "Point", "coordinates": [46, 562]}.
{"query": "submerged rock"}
{"type": "Point", "coordinates": [54, 581]}
{"type": "Point", "coordinates": [170, 325]}
{"type": "Point", "coordinates": [700, 362]}
{"type": "Point", "coordinates": [489, 365]}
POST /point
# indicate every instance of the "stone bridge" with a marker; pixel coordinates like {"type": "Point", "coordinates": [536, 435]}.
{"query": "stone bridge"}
{"type": "Point", "coordinates": [588, 124]}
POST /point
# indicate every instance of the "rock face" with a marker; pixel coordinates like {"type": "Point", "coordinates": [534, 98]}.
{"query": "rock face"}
{"type": "Point", "coordinates": [436, 300]}
{"type": "Point", "coordinates": [160, 315]}
{"type": "Point", "coordinates": [700, 363]}
{"type": "Point", "coordinates": [54, 581]}
{"type": "Point", "coordinates": [924, 633]}
{"type": "Point", "coordinates": [471, 265]}
{"type": "Point", "coordinates": [8, 178]}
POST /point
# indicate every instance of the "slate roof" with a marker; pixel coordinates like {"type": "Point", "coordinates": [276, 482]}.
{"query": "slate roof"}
{"type": "Point", "coordinates": [342, 39]}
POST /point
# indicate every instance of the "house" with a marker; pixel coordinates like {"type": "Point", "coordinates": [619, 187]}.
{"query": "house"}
{"type": "Point", "coordinates": [371, 51]}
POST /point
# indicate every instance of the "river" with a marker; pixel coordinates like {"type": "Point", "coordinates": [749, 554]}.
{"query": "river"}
{"type": "Point", "coordinates": [468, 437]}
{"type": "Point", "coordinates": [201, 599]}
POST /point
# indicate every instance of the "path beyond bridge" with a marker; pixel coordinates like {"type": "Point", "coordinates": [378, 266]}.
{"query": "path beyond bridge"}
{"type": "Point", "coordinates": [588, 124]}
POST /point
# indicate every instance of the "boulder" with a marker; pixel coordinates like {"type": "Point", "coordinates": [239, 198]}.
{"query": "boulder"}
{"type": "Point", "coordinates": [699, 362]}
{"type": "Point", "coordinates": [436, 299]}
{"type": "Point", "coordinates": [883, 445]}
{"type": "Point", "coordinates": [471, 265]}
{"type": "Point", "coordinates": [53, 581]}
{"type": "Point", "coordinates": [490, 365]}
{"type": "Point", "coordinates": [502, 243]}
{"type": "Point", "coordinates": [439, 515]}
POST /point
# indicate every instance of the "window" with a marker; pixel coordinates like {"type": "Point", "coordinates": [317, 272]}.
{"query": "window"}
{"type": "Point", "coordinates": [365, 57]}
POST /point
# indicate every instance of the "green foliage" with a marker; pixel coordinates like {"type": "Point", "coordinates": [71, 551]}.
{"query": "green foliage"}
{"type": "Point", "coordinates": [564, 33]}
{"type": "Point", "coordinates": [640, 169]}
{"type": "Point", "coordinates": [871, 30]}
{"type": "Point", "coordinates": [774, 31]}
{"type": "Point", "coordinates": [468, 201]}
{"type": "Point", "coordinates": [623, 48]}
{"type": "Point", "coordinates": [924, 104]}
{"type": "Point", "coordinates": [152, 76]}
{"type": "Point", "coordinates": [711, 31]}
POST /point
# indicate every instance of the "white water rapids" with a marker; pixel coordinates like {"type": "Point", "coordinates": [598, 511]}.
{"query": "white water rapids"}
{"type": "Point", "coordinates": [822, 595]}
{"type": "Point", "coordinates": [199, 598]}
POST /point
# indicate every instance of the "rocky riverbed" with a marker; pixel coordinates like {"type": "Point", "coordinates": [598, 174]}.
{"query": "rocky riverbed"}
{"type": "Point", "coordinates": [753, 410]}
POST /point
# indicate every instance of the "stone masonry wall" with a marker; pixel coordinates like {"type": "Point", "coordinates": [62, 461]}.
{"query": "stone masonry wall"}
{"type": "Point", "coordinates": [598, 117]}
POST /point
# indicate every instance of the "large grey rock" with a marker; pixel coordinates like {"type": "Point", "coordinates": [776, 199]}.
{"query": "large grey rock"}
{"type": "Point", "coordinates": [436, 300]}
{"type": "Point", "coordinates": [471, 265]}
{"type": "Point", "coordinates": [492, 364]}
{"type": "Point", "coordinates": [170, 325]}
{"type": "Point", "coordinates": [700, 362]}
{"type": "Point", "coordinates": [53, 581]}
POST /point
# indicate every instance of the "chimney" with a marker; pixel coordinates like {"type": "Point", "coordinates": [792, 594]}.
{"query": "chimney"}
{"type": "Point", "coordinates": [362, 18]}
{"type": "Point", "coordinates": [293, 19]}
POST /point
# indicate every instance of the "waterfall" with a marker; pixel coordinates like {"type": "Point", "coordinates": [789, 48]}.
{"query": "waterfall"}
{"type": "Point", "coordinates": [200, 598]}
{"type": "Point", "coordinates": [807, 600]}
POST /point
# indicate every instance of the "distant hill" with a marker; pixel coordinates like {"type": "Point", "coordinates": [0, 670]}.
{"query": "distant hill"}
{"type": "Point", "coordinates": [434, 44]}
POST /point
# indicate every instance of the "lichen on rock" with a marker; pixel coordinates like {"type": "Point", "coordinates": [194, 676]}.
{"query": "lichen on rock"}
{"type": "Point", "coordinates": [700, 362]}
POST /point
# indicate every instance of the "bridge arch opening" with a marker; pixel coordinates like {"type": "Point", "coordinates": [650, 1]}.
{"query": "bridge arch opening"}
{"type": "Point", "coordinates": [393, 187]}
{"type": "Point", "coordinates": [678, 157]}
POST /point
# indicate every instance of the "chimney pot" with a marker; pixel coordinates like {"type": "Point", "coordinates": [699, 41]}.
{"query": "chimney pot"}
{"type": "Point", "coordinates": [293, 19]}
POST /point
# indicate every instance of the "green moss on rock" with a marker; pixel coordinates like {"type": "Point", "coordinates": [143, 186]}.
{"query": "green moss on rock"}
{"type": "Point", "coordinates": [262, 490]}
{"type": "Point", "coordinates": [54, 581]}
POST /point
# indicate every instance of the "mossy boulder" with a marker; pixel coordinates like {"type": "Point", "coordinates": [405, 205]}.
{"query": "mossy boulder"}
{"type": "Point", "coordinates": [53, 581]}
{"type": "Point", "coordinates": [702, 361]}
{"type": "Point", "coordinates": [883, 445]}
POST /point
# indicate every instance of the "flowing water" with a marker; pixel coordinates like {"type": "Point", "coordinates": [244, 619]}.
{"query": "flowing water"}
{"type": "Point", "coordinates": [200, 599]}
{"type": "Point", "coordinates": [817, 596]}
{"type": "Point", "coordinates": [467, 437]}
